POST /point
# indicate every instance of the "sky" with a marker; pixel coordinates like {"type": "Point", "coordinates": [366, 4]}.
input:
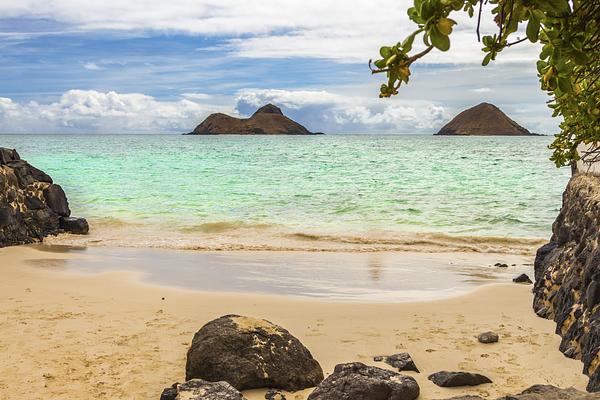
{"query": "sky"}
{"type": "Point", "coordinates": [155, 66]}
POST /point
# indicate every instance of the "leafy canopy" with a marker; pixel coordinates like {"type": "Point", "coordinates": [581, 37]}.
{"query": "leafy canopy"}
{"type": "Point", "coordinates": [568, 65]}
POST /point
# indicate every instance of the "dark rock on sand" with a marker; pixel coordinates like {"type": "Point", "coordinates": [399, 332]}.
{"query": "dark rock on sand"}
{"type": "Point", "coordinates": [267, 120]}
{"type": "Point", "coordinates": [197, 389]}
{"type": "Point", "coordinates": [250, 353]}
{"type": "Point", "coordinates": [567, 275]}
{"type": "Point", "coordinates": [523, 278]}
{"type": "Point", "coordinates": [541, 392]}
{"type": "Point", "coordinates": [547, 392]}
{"type": "Point", "coordinates": [482, 120]}
{"type": "Point", "coordinates": [453, 379]}
{"type": "Point", "coordinates": [31, 206]}
{"type": "Point", "coordinates": [358, 381]}
{"type": "Point", "coordinates": [488, 337]}
{"type": "Point", "coordinates": [78, 226]}
{"type": "Point", "coordinates": [274, 395]}
{"type": "Point", "coordinates": [402, 361]}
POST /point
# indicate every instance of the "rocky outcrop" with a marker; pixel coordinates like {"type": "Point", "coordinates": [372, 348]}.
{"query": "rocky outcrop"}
{"type": "Point", "coordinates": [567, 275]}
{"type": "Point", "coordinates": [484, 119]}
{"type": "Point", "coordinates": [250, 353]}
{"type": "Point", "coordinates": [267, 120]}
{"type": "Point", "coordinates": [197, 389]}
{"type": "Point", "coordinates": [32, 206]}
{"type": "Point", "coordinates": [354, 381]}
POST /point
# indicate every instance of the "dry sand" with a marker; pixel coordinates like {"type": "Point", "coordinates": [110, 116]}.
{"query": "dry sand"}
{"type": "Point", "coordinates": [108, 336]}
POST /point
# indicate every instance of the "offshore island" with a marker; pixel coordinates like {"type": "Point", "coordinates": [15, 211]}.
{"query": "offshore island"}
{"type": "Point", "coordinates": [267, 120]}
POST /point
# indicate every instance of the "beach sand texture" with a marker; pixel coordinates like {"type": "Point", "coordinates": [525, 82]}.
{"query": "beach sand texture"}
{"type": "Point", "coordinates": [65, 335]}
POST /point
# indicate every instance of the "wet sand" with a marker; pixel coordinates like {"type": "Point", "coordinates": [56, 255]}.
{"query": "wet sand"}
{"type": "Point", "coordinates": [109, 335]}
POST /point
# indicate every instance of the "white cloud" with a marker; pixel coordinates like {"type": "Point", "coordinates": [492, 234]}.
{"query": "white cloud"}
{"type": "Point", "coordinates": [332, 112]}
{"type": "Point", "coordinates": [334, 29]}
{"type": "Point", "coordinates": [481, 90]}
{"type": "Point", "coordinates": [196, 96]}
{"type": "Point", "coordinates": [92, 66]}
{"type": "Point", "coordinates": [108, 112]}
{"type": "Point", "coordinates": [111, 112]}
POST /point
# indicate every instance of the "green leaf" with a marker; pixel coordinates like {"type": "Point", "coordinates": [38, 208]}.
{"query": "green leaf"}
{"type": "Point", "coordinates": [385, 51]}
{"type": "Point", "coordinates": [440, 41]}
{"type": "Point", "coordinates": [380, 64]}
{"type": "Point", "coordinates": [408, 42]}
{"type": "Point", "coordinates": [486, 59]}
{"type": "Point", "coordinates": [533, 30]}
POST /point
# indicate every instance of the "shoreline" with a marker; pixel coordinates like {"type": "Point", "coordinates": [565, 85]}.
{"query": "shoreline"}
{"type": "Point", "coordinates": [110, 335]}
{"type": "Point", "coordinates": [262, 237]}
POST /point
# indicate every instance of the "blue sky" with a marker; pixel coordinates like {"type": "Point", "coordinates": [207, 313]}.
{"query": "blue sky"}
{"type": "Point", "coordinates": [155, 67]}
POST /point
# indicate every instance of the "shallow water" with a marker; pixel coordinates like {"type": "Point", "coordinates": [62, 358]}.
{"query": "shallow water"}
{"type": "Point", "coordinates": [254, 191]}
{"type": "Point", "coordinates": [364, 277]}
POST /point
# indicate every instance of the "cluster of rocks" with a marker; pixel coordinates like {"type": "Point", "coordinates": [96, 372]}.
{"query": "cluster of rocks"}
{"type": "Point", "coordinates": [32, 206]}
{"type": "Point", "coordinates": [234, 353]}
{"type": "Point", "coordinates": [567, 275]}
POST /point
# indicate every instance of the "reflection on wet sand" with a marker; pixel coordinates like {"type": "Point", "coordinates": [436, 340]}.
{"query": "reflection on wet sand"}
{"type": "Point", "coordinates": [382, 276]}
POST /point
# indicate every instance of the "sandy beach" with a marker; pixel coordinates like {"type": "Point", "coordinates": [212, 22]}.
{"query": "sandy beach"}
{"type": "Point", "coordinates": [66, 335]}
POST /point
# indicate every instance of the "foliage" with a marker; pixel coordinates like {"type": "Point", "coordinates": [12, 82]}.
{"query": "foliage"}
{"type": "Point", "coordinates": [568, 65]}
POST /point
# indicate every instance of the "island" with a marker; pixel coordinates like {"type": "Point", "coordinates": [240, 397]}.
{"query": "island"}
{"type": "Point", "coordinates": [484, 119]}
{"type": "Point", "coordinates": [267, 120]}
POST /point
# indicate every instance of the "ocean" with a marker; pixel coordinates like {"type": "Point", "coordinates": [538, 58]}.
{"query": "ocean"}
{"type": "Point", "coordinates": [326, 192]}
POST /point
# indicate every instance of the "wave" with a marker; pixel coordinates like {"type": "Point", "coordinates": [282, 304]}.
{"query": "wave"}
{"type": "Point", "coordinates": [222, 226]}
{"type": "Point", "coordinates": [234, 236]}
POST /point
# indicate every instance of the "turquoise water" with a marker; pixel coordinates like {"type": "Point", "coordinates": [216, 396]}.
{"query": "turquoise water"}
{"type": "Point", "coordinates": [337, 185]}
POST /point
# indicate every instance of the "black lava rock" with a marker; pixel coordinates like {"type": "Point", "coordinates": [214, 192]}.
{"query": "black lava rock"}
{"type": "Point", "coordinates": [454, 379]}
{"type": "Point", "coordinates": [197, 389]}
{"type": "Point", "coordinates": [402, 361]}
{"type": "Point", "coordinates": [523, 278]}
{"type": "Point", "coordinates": [355, 381]}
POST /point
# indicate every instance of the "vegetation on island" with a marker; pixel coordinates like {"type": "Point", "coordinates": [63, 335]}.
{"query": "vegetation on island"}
{"type": "Point", "coordinates": [568, 65]}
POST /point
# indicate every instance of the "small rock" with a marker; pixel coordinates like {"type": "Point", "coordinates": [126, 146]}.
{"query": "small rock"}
{"type": "Point", "coordinates": [523, 278]}
{"type": "Point", "coordinates": [198, 389]}
{"type": "Point", "coordinates": [274, 395]}
{"type": "Point", "coordinates": [78, 226]}
{"type": "Point", "coordinates": [453, 379]}
{"type": "Point", "coordinates": [488, 337]}
{"type": "Point", "coordinates": [354, 381]}
{"type": "Point", "coordinates": [402, 361]}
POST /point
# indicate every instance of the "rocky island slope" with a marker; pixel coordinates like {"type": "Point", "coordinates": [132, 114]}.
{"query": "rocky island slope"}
{"type": "Point", "coordinates": [267, 120]}
{"type": "Point", "coordinates": [32, 206]}
{"type": "Point", "coordinates": [484, 119]}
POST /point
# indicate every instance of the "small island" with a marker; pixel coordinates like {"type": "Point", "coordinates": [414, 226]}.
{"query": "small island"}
{"type": "Point", "coordinates": [484, 119]}
{"type": "Point", "coordinates": [267, 120]}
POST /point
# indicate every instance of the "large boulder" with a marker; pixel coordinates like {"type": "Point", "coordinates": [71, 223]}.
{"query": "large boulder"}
{"type": "Point", "coordinates": [354, 381]}
{"type": "Point", "coordinates": [31, 206]}
{"type": "Point", "coordinates": [567, 276]}
{"type": "Point", "coordinates": [197, 389]}
{"type": "Point", "coordinates": [251, 353]}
